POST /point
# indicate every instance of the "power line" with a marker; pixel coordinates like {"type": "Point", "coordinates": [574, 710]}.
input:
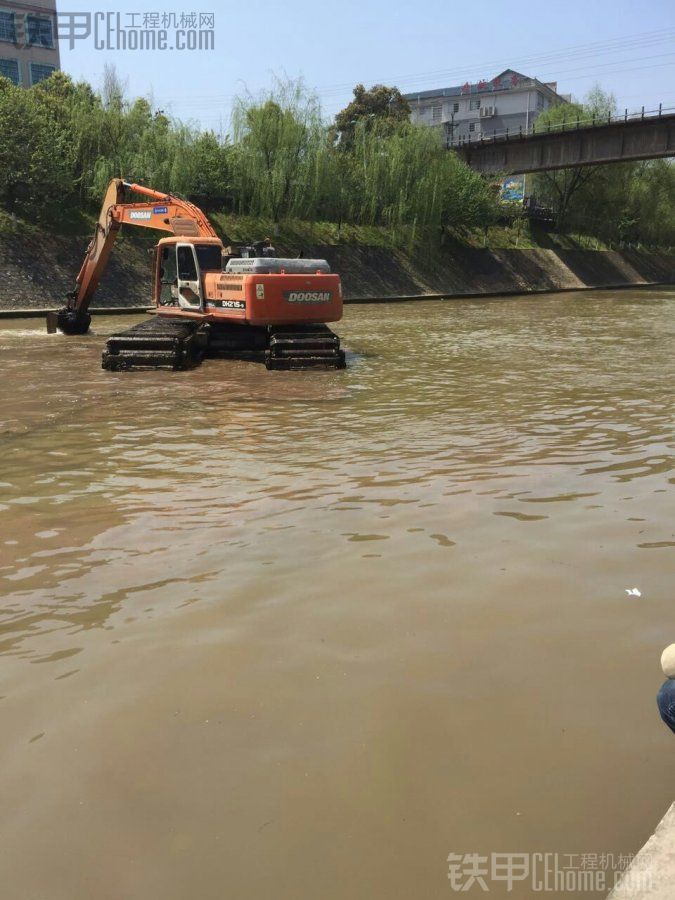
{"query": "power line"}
{"type": "Point", "coordinates": [196, 104]}
{"type": "Point", "coordinates": [328, 94]}
{"type": "Point", "coordinates": [614, 46]}
{"type": "Point", "coordinates": [617, 71]}
{"type": "Point", "coordinates": [579, 52]}
{"type": "Point", "coordinates": [621, 62]}
{"type": "Point", "coordinates": [584, 50]}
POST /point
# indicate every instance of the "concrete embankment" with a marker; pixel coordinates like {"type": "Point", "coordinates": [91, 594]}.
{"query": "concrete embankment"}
{"type": "Point", "coordinates": [651, 875]}
{"type": "Point", "coordinates": [464, 271]}
{"type": "Point", "coordinates": [37, 269]}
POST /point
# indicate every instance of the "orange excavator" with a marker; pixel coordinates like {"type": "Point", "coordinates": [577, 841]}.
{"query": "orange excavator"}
{"type": "Point", "coordinates": [209, 301]}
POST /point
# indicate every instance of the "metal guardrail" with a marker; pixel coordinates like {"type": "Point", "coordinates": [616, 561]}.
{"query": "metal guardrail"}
{"type": "Point", "coordinates": [570, 125]}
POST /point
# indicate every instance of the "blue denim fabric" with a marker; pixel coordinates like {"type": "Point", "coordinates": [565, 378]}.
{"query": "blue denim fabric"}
{"type": "Point", "coordinates": [666, 703]}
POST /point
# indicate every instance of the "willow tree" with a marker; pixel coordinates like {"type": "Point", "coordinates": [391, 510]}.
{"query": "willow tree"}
{"type": "Point", "coordinates": [405, 176]}
{"type": "Point", "coordinates": [279, 142]}
{"type": "Point", "coordinates": [397, 175]}
{"type": "Point", "coordinates": [142, 143]}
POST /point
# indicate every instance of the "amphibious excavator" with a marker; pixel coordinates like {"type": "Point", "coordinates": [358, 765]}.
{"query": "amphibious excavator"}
{"type": "Point", "coordinates": [209, 300]}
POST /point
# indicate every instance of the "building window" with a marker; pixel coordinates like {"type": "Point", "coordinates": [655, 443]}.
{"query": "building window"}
{"type": "Point", "coordinates": [473, 126]}
{"type": "Point", "coordinates": [10, 69]}
{"type": "Point", "coordinates": [39, 31]}
{"type": "Point", "coordinates": [38, 72]}
{"type": "Point", "coordinates": [455, 107]}
{"type": "Point", "coordinates": [540, 101]}
{"type": "Point", "coordinates": [7, 27]}
{"type": "Point", "coordinates": [474, 104]}
{"type": "Point", "coordinates": [436, 113]}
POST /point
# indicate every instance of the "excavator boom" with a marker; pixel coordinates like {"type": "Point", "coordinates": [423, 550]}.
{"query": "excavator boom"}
{"type": "Point", "coordinates": [162, 212]}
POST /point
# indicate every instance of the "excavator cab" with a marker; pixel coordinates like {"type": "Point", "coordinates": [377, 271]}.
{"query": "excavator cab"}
{"type": "Point", "coordinates": [180, 269]}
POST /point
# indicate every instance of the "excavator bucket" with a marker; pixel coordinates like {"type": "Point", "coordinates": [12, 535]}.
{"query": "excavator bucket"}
{"type": "Point", "coordinates": [67, 320]}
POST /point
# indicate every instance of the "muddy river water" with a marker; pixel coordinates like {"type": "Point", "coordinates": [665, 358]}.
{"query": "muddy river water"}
{"type": "Point", "coordinates": [304, 635]}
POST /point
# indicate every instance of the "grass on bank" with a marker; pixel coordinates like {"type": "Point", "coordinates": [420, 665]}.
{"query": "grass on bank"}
{"type": "Point", "coordinates": [293, 235]}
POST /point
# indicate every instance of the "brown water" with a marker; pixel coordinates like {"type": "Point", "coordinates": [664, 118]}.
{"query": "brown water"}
{"type": "Point", "coordinates": [302, 635]}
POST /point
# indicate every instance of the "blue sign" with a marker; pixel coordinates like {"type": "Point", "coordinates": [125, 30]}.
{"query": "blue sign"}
{"type": "Point", "coordinates": [513, 189]}
{"type": "Point", "coordinates": [160, 210]}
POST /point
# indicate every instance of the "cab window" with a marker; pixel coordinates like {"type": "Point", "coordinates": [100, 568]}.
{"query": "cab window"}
{"type": "Point", "coordinates": [210, 256]}
{"type": "Point", "coordinates": [187, 270]}
{"type": "Point", "coordinates": [167, 275]}
{"type": "Point", "coordinates": [168, 266]}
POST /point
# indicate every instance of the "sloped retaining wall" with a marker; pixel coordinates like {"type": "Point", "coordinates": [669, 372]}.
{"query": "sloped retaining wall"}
{"type": "Point", "coordinates": [37, 270]}
{"type": "Point", "coordinates": [374, 273]}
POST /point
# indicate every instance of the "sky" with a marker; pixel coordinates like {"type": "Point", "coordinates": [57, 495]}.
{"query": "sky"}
{"type": "Point", "coordinates": [626, 47]}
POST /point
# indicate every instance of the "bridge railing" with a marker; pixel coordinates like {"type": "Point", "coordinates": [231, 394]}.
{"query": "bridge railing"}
{"type": "Point", "coordinates": [569, 125]}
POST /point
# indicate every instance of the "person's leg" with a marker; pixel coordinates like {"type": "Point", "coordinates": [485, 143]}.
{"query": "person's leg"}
{"type": "Point", "coordinates": [666, 703]}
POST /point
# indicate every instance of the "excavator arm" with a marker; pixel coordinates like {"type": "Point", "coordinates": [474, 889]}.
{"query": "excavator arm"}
{"type": "Point", "coordinates": [162, 212]}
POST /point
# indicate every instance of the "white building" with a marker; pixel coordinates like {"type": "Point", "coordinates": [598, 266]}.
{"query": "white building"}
{"type": "Point", "coordinates": [509, 101]}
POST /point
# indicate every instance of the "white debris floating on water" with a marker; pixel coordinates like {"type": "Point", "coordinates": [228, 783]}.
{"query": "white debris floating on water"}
{"type": "Point", "coordinates": [633, 592]}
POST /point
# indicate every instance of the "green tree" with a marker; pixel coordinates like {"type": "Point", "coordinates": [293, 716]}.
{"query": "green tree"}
{"type": "Point", "coordinates": [559, 187]}
{"type": "Point", "coordinates": [380, 106]}
{"type": "Point", "coordinates": [61, 142]}
{"type": "Point", "coordinates": [406, 177]}
{"type": "Point", "coordinates": [210, 165]}
{"type": "Point", "coordinates": [625, 202]}
{"type": "Point", "coordinates": [469, 201]}
{"type": "Point", "coordinates": [276, 143]}
{"type": "Point", "coordinates": [652, 202]}
{"type": "Point", "coordinates": [36, 158]}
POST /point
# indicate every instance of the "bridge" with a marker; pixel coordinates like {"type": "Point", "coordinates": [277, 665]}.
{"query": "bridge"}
{"type": "Point", "coordinates": [590, 142]}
